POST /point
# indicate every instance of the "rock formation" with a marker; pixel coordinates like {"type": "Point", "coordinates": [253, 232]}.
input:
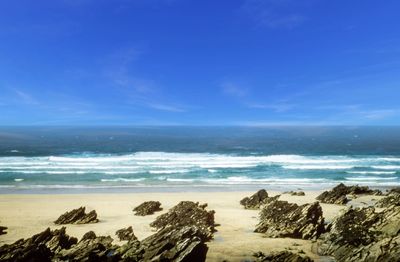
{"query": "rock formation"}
{"type": "Point", "coordinates": [257, 200]}
{"type": "Point", "coordinates": [283, 256]}
{"type": "Point", "coordinates": [364, 235]}
{"type": "Point", "coordinates": [125, 234]}
{"type": "Point", "coordinates": [188, 213]}
{"type": "Point", "coordinates": [147, 208]}
{"type": "Point", "coordinates": [283, 219]}
{"type": "Point", "coordinates": [3, 230]}
{"type": "Point", "coordinates": [77, 216]}
{"type": "Point", "coordinates": [294, 193]}
{"type": "Point", "coordinates": [338, 195]}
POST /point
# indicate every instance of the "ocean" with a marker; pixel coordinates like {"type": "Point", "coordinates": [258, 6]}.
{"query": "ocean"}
{"type": "Point", "coordinates": [129, 159]}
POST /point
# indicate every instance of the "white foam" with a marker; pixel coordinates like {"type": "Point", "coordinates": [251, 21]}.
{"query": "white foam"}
{"type": "Point", "coordinates": [372, 172]}
{"type": "Point", "coordinates": [123, 180]}
{"type": "Point", "coordinates": [18, 179]}
{"type": "Point", "coordinates": [386, 167]}
{"type": "Point", "coordinates": [168, 171]}
{"type": "Point", "coordinates": [318, 167]}
{"type": "Point", "coordinates": [369, 178]}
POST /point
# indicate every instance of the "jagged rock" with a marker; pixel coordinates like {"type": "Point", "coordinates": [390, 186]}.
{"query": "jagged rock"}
{"type": "Point", "coordinates": [283, 256]}
{"type": "Point", "coordinates": [77, 216]}
{"type": "Point", "coordinates": [188, 213]}
{"type": "Point", "coordinates": [257, 200]}
{"type": "Point", "coordinates": [283, 219]}
{"type": "Point", "coordinates": [392, 198]}
{"type": "Point", "coordinates": [3, 230]}
{"type": "Point", "coordinates": [364, 235]}
{"type": "Point", "coordinates": [147, 208]}
{"type": "Point", "coordinates": [126, 234]}
{"type": "Point", "coordinates": [338, 194]}
{"type": "Point", "coordinates": [40, 247]}
{"type": "Point", "coordinates": [294, 193]}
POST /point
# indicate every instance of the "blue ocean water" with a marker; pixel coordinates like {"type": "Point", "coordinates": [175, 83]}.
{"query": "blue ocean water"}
{"type": "Point", "coordinates": [127, 158]}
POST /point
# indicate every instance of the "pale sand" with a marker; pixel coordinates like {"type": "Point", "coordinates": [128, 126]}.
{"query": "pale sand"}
{"type": "Point", "coordinates": [25, 215]}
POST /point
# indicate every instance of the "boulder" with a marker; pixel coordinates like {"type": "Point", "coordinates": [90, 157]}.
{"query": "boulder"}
{"type": "Point", "coordinates": [257, 200]}
{"type": "Point", "coordinates": [147, 208]}
{"type": "Point", "coordinates": [3, 230]}
{"type": "Point", "coordinates": [361, 234]}
{"type": "Point", "coordinates": [284, 219]}
{"type": "Point", "coordinates": [40, 247]}
{"type": "Point", "coordinates": [188, 213]}
{"type": "Point", "coordinates": [338, 195]}
{"type": "Point", "coordinates": [283, 256]}
{"type": "Point", "coordinates": [77, 216]}
{"type": "Point", "coordinates": [126, 234]}
{"type": "Point", "coordinates": [294, 193]}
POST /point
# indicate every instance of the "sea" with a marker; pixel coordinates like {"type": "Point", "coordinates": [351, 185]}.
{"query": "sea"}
{"type": "Point", "coordinates": [192, 158]}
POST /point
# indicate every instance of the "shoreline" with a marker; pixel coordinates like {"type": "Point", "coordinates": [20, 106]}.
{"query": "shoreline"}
{"type": "Point", "coordinates": [28, 214]}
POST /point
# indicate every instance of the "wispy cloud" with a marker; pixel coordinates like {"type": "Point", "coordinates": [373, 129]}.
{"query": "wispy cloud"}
{"type": "Point", "coordinates": [277, 107]}
{"type": "Point", "coordinates": [25, 98]}
{"type": "Point", "coordinates": [234, 90]}
{"type": "Point", "coordinates": [164, 107]}
{"type": "Point", "coordinates": [273, 13]}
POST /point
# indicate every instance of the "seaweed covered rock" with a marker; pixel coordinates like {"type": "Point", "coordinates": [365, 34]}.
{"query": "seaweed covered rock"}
{"type": "Point", "coordinates": [126, 234]}
{"type": "Point", "coordinates": [77, 216]}
{"type": "Point", "coordinates": [338, 195]}
{"type": "Point", "coordinates": [283, 256]}
{"type": "Point", "coordinates": [188, 213]}
{"type": "Point", "coordinates": [257, 200]}
{"type": "Point", "coordinates": [40, 247]}
{"type": "Point", "coordinates": [3, 230]}
{"type": "Point", "coordinates": [362, 234]}
{"type": "Point", "coordinates": [284, 219]}
{"type": "Point", "coordinates": [147, 208]}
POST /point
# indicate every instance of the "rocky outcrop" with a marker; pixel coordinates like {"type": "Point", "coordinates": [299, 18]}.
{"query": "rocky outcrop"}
{"type": "Point", "coordinates": [147, 208]}
{"type": "Point", "coordinates": [362, 234]}
{"type": "Point", "coordinates": [392, 198]}
{"type": "Point", "coordinates": [188, 213]}
{"type": "Point", "coordinates": [338, 195]}
{"type": "Point", "coordinates": [40, 247]}
{"type": "Point", "coordinates": [257, 200]}
{"type": "Point", "coordinates": [3, 230]}
{"type": "Point", "coordinates": [283, 256]}
{"type": "Point", "coordinates": [283, 219]}
{"type": "Point", "coordinates": [77, 216]}
{"type": "Point", "coordinates": [126, 234]}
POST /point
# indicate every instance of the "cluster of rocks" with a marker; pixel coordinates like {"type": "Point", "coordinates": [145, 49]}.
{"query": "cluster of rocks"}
{"type": "Point", "coordinates": [257, 200]}
{"type": "Point", "coordinates": [284, 219]}
{"type": "Point", "coordinates": [338, 195]}
{"type": "Point", "coordinates": [77, 216]}
{"type": "Point", "coordinates": [181, 236]}
{"type": "Point", "coordinates": [147, 208]}
{"type": "Point", "coordinates": [283, 256]}
{"type": "Point", "coordinates": [363, 234]}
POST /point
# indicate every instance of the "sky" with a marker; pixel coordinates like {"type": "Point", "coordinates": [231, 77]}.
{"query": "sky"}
{"type": "Point", "coordinates": [186, 62]}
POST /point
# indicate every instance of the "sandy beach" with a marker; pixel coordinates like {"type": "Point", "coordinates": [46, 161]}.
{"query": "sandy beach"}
{"type": "Point", "coordinates": [27, 214]}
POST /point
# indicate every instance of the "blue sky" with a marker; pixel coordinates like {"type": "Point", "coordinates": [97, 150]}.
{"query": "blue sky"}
{"type": "Point", "coordinates": [183, 62]}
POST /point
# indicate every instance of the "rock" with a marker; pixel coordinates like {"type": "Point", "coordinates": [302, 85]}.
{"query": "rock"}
{"type": "Point", "coordinates": [392, 198]}
{"type": "Point", "coordinates": [294, 193]}
{"type": "Point", "coordinates": [188, 213]}
{"type": "Point", "coordinates": [283, 219]}
{"type": "Point", "coordinates": [77, 216]}
{"type": "Point", "coordinates": [338, 194]}
{"type": "Point", "coordinates": [126, 234]}
{"type": "Point", "coordinates": [361, 234]}
{"type": "Point", "coordinates": [283, 256]}
{"type": "Point", "coordinates": [257, 200]}
{"type": "Point", "coordinates": [40, 247]}
{"type": "Point", "coordinates": [147, 208]}
{"type": "Point", "coordinates": [3, 230]}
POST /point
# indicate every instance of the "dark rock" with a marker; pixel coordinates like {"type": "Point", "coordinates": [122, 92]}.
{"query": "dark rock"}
{"type": "Point", "coordinates": [40, 247]}
{"type": "Point", "coordinates": [147, 208]}
{"type": "Point", "coordinates": [283, 219]}
{"type": "Point", "coordinates": [88, 235]}
{"type": "Point", "coordinates": [188, 213]}
{"type": "Point", "coordinates": [126, 234]}
{"type": "Point", "coordinates": [3, 230]}
{"type": "Point", "coordinates": [257, 200]}
{"type": "Point", "coordinates": [283, 256]}
{"type": "Point", "coordinates": [338, 195]}
{"type": "Point", "coordinates": [392, 199]}
{"type": "Point", "coordinates": [77, 216]}
{"type": "Point", "coordinates": [364, 235]}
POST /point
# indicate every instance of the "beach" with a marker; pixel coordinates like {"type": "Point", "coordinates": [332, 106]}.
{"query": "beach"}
{"type": "Point", "coordinates": [28, 214]}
